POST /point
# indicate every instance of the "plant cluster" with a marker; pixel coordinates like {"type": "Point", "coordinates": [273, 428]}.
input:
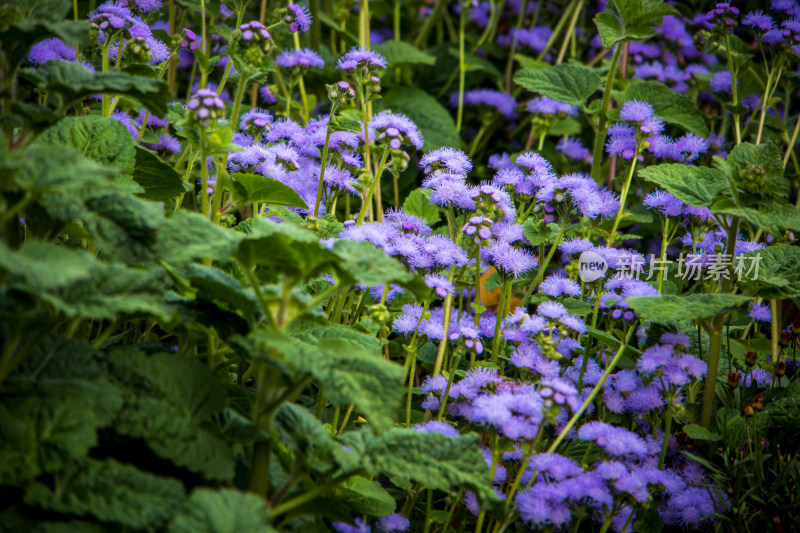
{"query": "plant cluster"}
{"type": "Point", "coordinates": [389, 266]}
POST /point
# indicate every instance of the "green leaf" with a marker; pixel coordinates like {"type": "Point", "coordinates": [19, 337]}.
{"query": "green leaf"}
{"type": "Point", "coordinates": [111, 492]}
{"type": "Point", "coordinates": [251, 188]}
{"type": "Point", "coordinates": [222, 511]}
{"type": "Point", "coordinates": [347, 364]}
{"type": "Point", "coordinates": [435, 460]}
{"type": "Point", "coordinates": [670, 308]}
{"type": "Point", "coordinates": [43, 433]}
{"type": "Point", "coordinates": [342, 123]}
{"type": "Point", "coordinates": [771, 217]}
{"type": "Point", "coordinates": [696, 432]}
{"type": "Point", "coordinates": [285, 248]}
{"type": "Point", "coordinates": [185, 237]}
{"type": "Point", "coordinates": [537, 232]}
{"type": "Point", "coordinates": [159, 180]}
{"type": "Point", "coordinates": [33, 264]}
{"type": "Point", "coordinates": [73, 82]}
{"type": "Point", "coordinates": [401, 52]}
{"type": "Point", "coordinates": [786, 413]}
{"type": "Point", "coordinates": [45, 169]}
{"type": "Point", "coordinates": [366, 496]}
{"type": "Point", "coordinates": [570, 84]}
{"type": "Point", "coordinates": [173, 399]}
{"type": "Point", "coordinates": [696, 186]}
{"type": "Point", "coordinates": [675, 108]}
{"type": "Point", "coordinates": [433, 120]}
{"type": "Point", "coordinates": [778, 272]}
{"type": "Point", "coordinates": [101, 139]}
{"type": "Point", "coordinates": [362, 263]}
{"type": "Point", "coordinates": [764, 158]}
{"type": "Point", "coordinates": [418, 203]}
{"type": "Point", "coordinates": [215, 285]}
{"type": "Point", "coordinates": [609, 28]}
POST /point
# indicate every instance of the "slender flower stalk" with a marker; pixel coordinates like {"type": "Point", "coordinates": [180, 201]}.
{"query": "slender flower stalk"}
{"type": "Point", "coordinates": [602, 123]}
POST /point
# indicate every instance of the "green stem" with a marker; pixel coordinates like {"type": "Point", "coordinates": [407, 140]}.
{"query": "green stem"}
{"type": "Point", "coordinates": [105, 67]}
{"type": "Point", "coordinates": [664, 244]}
{"type": "Point", "coordinates": [734, 91]}
{"type": "Point", "coordinates": [517, 28]}
{"type": "Point", "coordinates": [422, 38]}
{"type": "Point", "coordinates": [569, 35]}
{"type": "Point", "coordinates": [303, 96]}
{"type": "Point", "coordinates": [717, 325]}
{"type": "Point", "coordinates": [375, 180]}
{"type": "Point", "coordinates": [501, 312]}
{"type": "Point", "coordinates": [600, 134]}
{"type": "Point", "coordinates": [462, 68]}
{"type": "Point", "coordinates": [321, 185]}
{"type": "Point", "coordinates": [589, 399]}
{"type": "Point", "coordinates": [612, 235]}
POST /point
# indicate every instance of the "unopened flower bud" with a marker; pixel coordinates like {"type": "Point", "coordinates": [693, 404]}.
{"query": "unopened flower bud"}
{"type": "Point", "coordinates": [750, 358]}
{"type": "Point", "coordinates": [734, 379]}
{"type": "Point", "coordinates": [747, 410]}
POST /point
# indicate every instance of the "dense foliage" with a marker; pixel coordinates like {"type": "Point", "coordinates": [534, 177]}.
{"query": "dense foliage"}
{"type": "Point", "coordinates": [428, 266]}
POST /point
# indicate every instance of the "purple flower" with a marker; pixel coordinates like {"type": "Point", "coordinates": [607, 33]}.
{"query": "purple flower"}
{"type": "Point", "coordinates": [395, 521]}
{"type": "Point", "coordinates": [396, 130]}
{"type": "Point", "coordinates": [692, 145]}
{"type": "Point", "coordinates": [451, 190]}
{"type": "Point", "coordinates": [298, 18]}
{"type": "Point", "coordinates": [407, 321]}
{"type": "Point", "coordinates": [359, 526]}
{"type": "Point", "coordinates": [617, 441]}
{"type": "Point", "coordinates": [109, 18]}
{"type": "Point", "coordinates": [759, 312]}
{"type": "Point", "coordinates": [510, 261]}
{"type": "Point", "coordinates": [721, 82]}
{"type": "Point", "coordinates": [304, 58]}
{"type": "Point", "coordinates": [434, 426]}
{"type": "Point", "coordinates": [49, 50]}
{"type": "Point", "coordinates": [166, 143]}
{"type": "Point", "coordinates": [516, 414]}
{"type": "Point", "coordinates": [664, 202]}
{"type": "Point", "coordinates": [574, 149]}
{"type": "Point", "coordinates": [440, 284]}
{"type": "Point", "coordinates": [636, 111]}
{"type": "Point", "coordinates": [359, 57]}
{"type": "Point", "coordinates": [147, 6]}
{"type": "Point", "coordinates": [575, 246]}
{"type": "Point", "coordinates": [445, 160]}
{"type": "Point", "coordinates": [547, 106]}
{"type": "Point", "coordinates": [758, 21]}
{"type": "Point", "coordinates": [551, 309]}
{"type": "Point", "coordinates": [501, 101]}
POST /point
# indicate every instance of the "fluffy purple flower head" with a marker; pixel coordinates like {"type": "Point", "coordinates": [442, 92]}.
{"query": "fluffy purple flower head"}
{"type": "Point", "coordinates": [445, 160]}
{"type": "Point", "coordinates": [573, 148]}
{"type": "Point", "coordinates": [406, 322]}
{"type": "Point", "coordinates": [759, 312]}
{"type": "Point", "coordinates": [515, 413]}
{"type": "Point", "coordinates": [359, 57]}
{"type": "Point", "coordinates": [547, 106]}
{"type": "Point", "coordinates": [557, 285]}
{"type": "Point", "coordinates": [359, 526]}
{"type": "Point", "coordinates": [49, 50]}
{"type": "Point", "coordinates": [575, 245]}
{"type": "Point", "coordinates": [406, 222]}
{"type": "Point", "coordinates": [298, 18]}
{"type": "Point", "coordinates": [434, 426]}
{"type": "Point", "coordinates": [304, 58]}
{"type": "Point", "coordinates": [510, 261]}
{"type": "Point", "coordinates": [394, 522]}
{"type": "Point", "coordinates": [147, 6]}
{"type": "Point", "coordinates": [253, 30]}
{"type": "Point", "coordinates": [396, 130]}
{"type": "Point", "coordinates": [504, 103]}
{"type": "Point", "coordinates": [617, 441]}
{"type": "Point", "coordinates": [664, 202]}
{"type": "Point", "coordinates": [636, 111]}
{"type": "Point", "coordinates": [551, 309]}
{"type": "Point", "coordinates": [109, 18]}
{"type": "Point", "coordinates": [440, 284]}
{"type": "Point", "coordinates": [758, 21]}
{"type": "Point", "coordinates": [691, 146]}
{"type": "Point", "coordinates": [721, 82]}
{"type": "Point", "coordinates": [451, 190]}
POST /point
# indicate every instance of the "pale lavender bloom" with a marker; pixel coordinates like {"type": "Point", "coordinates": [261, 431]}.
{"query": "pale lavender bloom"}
{"type": "Point", "coordinates": [407, 321]}
{"type": "Point", "coordinates": [396, 521]}
{"type": "Point", "coordinates": [664, 202]}
{"type": "Point", "coordinates": [298, 18]}
{"type": "Point", "coordinates": [574, 149]}
{"type": "Point", "coordinates": [547, 106]}
{"type": "Point", "coordinates": [615, 440]}
{"type": "Point", "coordinates": [445, 160]}
{"type": "Point", "coordinates": [758, 21]}
{"type": "Point", "coordinates": [359, 57]}
{"type": "Point", "coordinates": [49, 50]}
{"type": "Point", "coordinates": [440, 284]}
{"type": "Point", "coordinates": [692, 146]}
{"type": "Point", "coordinates": [636, 111]}
{"type": "Point", "coordinates": [303, 58]}
{"type": "Point", "coordinates": [359, 526]}
{"type": "Point", "coordinates": [434, 426]}
{"type": "Point", "coordinates": [509, 260]}
{"type": "Point", "coordinates": [760, 312]}
{"type": "Point", "coordinates": [575, 246]}
{"type": "Point", "coordinates": [721, 82]}
{"type": "Point", "coordinates": [551, 309]}
{"type": "Point", "coordinates": [450, 190]}
{"type": "Point", "coordinates": [514, 413]}
{"type": "Point", "coordinates": [406, 222]}
{"type": "Point", "coordinates": [504, 103]}
{"type": "Point", "coordinates": [395, 129]}
{"type": "Point", "coordinates": [166, 143]}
